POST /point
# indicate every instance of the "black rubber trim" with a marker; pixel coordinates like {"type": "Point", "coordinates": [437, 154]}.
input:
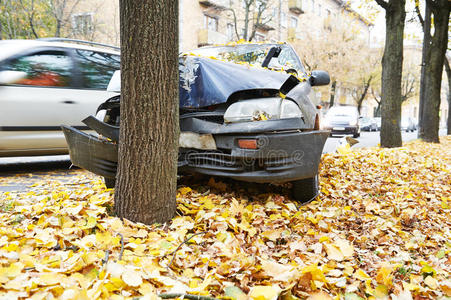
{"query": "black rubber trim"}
{"type": "Point", "coordinates": [39, 128]}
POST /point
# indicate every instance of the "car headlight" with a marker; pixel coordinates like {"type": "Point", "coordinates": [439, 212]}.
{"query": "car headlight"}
{"type": "Point", "coordinates": [262, 109]}
{"type": "Point", "coordinates": [353, 122]}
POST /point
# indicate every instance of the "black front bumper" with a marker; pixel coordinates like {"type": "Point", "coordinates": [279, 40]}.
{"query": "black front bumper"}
{"type": "Point", "coordinates": [342, 129]}
{"type": "Point", "coordinates": [281, 156]}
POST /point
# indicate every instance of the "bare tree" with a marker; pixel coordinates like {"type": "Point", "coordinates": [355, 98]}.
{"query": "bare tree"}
{"type": "Point", "coordinates": [254, 17]}
{"type": "Point", "coordinates": [148, 145]}
{"type": "Point", "coordinates": [392, 59]}
{"type": "Point", "coordinates": [62, 11]}
{"type": "Point", "coordinates": [448, 74]}
{"type": "Point", "coordinates": [434, 49]}
{"type": "Point", "coordinates": [359, 94]}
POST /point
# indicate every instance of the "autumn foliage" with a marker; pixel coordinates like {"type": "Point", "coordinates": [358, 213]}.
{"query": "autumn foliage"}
{"type": "Point", "coordinates": [381, 227]}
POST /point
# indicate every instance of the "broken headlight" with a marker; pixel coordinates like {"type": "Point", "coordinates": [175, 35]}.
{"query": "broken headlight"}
{"type": "Point", "coordinates": [262, 109]}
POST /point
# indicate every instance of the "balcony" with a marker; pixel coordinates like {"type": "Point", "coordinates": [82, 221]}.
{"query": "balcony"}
{"type": "Point", "coordinates": [268, 23]}
{"type": "Point", "coordinates": [210, 37]}
{"type": "Point", "coordinates": [218, 4]}
{"type": "Point", "coordinates": [295, 6]}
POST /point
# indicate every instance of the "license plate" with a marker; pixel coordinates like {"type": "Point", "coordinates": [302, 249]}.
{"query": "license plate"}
{"type": "Point", "coordinates": [339, 128]}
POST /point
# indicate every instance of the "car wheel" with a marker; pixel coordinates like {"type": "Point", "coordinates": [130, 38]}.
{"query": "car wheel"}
{"type": "Point", "coordinates": [356, 135]}
{"type": "Point", "coordinates": [305, 190]}
{"type": "Point", "coordinates": [109, 182]}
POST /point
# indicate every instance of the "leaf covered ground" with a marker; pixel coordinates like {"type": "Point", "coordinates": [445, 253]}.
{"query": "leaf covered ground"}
{"type": "Point", "coordinates": [381, 228]}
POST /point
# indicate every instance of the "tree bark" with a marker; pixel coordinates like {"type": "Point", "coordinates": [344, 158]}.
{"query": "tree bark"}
{"type": "Point", "coordinates": [431, 79]}
{"type": "Point", "coordinates": [333, 88]}
{"type": "Point", "coordinates": [392, 73]}
{"type": "Point", "coordinates": [147, 168]}
{"type": "Point", "coordinates": [448, 74]}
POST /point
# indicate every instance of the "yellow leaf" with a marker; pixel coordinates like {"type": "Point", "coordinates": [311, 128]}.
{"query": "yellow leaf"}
{"type": "Point", "coordinates": [320, 296]}
{"type": "Point", "coordinates": [431, 282]}
{"type": "Point", "coordinates": [184, 190]}
{"type": "Point", "coordinates": [361, 275]}
{"type": "Point", "coordinates": [132, 277]}
{"type": "Point", "coordinates": [334, 253]}
{"type": "Point", "coordinates": [260, 292]}
{"type": "Point", "coordinates": [316, 273]}
{"type": "Point", "coordinates": [383, 276]}
{"type": "Point", "coordinates": [345, 247]}
{"type": "Point", "coordinates": [381, 291]}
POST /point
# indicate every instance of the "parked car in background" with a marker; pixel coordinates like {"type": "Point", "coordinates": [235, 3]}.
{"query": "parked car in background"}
{"type": "Point", "coordinates": [408, 124]}
{"type": "Point", "coordinates": [342, 120]}
{"type": "Point", "coordinates": [367, 124]}
{"type": "Point", "coordinates": [242, 115]}
{"type": "Point", "coordinates": [378, 122]}
{"type": "Point", "coordinates": [46, 83]}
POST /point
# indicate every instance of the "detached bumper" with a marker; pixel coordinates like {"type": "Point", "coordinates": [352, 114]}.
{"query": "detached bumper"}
{"type": "Point", "coordinates": [91, 153]}
{"type": "Point", "coordinates": [280, 156]}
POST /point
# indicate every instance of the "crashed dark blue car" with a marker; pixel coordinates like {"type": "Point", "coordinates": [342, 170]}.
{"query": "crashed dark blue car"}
{"type": "Point", "coordinates": [246, 112]}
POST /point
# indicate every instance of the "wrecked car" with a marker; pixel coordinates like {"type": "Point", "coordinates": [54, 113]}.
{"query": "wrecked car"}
{"type": "Point", "coordinates": [246, 112]}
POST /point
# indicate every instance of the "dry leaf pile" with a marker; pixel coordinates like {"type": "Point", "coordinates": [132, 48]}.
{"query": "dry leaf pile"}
{"type": "Point", "coordinates": [379, 229]}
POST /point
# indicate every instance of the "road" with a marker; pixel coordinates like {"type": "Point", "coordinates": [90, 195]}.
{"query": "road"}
{"type": "Point", "coordinates": [39, 165]}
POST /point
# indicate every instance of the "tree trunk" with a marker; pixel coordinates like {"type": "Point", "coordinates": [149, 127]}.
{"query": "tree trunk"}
{"type": "Point", "coordinates": [425, 54]}
{"type": "Point", "coordinates": [148, 148]}
{"type": "Point", "coordinates": [392, 74]}
{"type": "Point", "coordinates": [432, 75]}
{"type": "Point", "coordinates": [333, 88]}
{"type": "Point", "coordinates": [448, 74]}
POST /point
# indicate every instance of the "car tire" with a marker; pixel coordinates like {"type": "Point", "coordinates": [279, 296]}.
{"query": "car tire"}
{"type": "Point", "coordinates": [109, 182]}
{"type": "Point", "coordinates": [305, 190]}
{"type": "Point", "coordinates": [356, 135]}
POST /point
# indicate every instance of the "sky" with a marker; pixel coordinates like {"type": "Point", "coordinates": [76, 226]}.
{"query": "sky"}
{"type": "Point", "coordinates": [412, 30]}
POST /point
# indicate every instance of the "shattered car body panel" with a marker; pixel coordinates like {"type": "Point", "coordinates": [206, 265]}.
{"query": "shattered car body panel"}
{"type": "Point", "coordinates": [270, 145]}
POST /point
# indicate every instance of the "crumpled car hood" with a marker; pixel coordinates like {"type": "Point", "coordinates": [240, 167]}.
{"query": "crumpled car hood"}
{"type": "Point", "coordinates": [204, 81]}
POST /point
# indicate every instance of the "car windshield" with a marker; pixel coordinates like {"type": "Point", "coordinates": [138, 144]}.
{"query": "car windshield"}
{"type": "Point", "coordinates": [254, 54]}
{"type": "Point", "coordinates": [341, 112]}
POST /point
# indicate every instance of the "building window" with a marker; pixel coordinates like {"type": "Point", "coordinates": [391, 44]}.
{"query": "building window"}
{"type": "Point", "coordinates": [283, 19]}
{"type": "Point", "coordinates": [274, 12]}
{"type": "Point", "coordinates": [319, 9]}
{"type": "Point", "coordinates": [230, 31]}
{"type": "Point", "coordinates": [82, 23]}
{"type": "Point", "coordinates": [313, 6]}
{"type": "Point", "coordinates": [294, 22]}
{"type": "Point", "coordinates": [211, 23]}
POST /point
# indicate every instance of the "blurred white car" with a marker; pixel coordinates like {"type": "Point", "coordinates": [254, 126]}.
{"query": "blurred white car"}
{"type": "Point", "coordinates": [46, 83]}
{"type": "Point", "coordinates": [408, 124]}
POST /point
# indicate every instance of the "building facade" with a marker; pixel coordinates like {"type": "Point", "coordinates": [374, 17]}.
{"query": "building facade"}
{"type": "Point", "coordinates": [209, 22]}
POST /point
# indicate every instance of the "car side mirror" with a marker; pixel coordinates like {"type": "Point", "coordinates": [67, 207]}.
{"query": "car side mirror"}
{"type": "Point", "coordinates": [319, 78]}
{"type": "Point", "coordinates": [9, 77]}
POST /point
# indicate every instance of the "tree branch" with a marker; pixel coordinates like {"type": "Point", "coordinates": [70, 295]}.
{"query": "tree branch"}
{"type": "Point", "coordinates": [417, 9]}
{"type": "Point", "coordinates": [382, 3]}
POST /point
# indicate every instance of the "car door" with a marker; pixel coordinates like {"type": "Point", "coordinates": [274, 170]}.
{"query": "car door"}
{"type": "Point", "coordinates": [33, 107]}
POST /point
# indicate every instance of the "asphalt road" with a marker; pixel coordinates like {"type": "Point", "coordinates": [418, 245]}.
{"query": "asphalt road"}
{"type": "Point", "coordinates": [12, 166]}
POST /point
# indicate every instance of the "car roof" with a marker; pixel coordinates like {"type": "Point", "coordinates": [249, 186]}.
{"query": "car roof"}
{"type": "Point", "coordinates": [12, 47]}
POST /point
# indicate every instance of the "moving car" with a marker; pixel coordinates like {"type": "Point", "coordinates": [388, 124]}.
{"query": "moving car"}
{"type": "Point", "coordinates": [241, 116]}
{"type": "Point", "coordinates": [367, 124]}
{"type": "Point", "coordinates": [342, 120]}
{"type": "Point", "coordinates": [46, 83]}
